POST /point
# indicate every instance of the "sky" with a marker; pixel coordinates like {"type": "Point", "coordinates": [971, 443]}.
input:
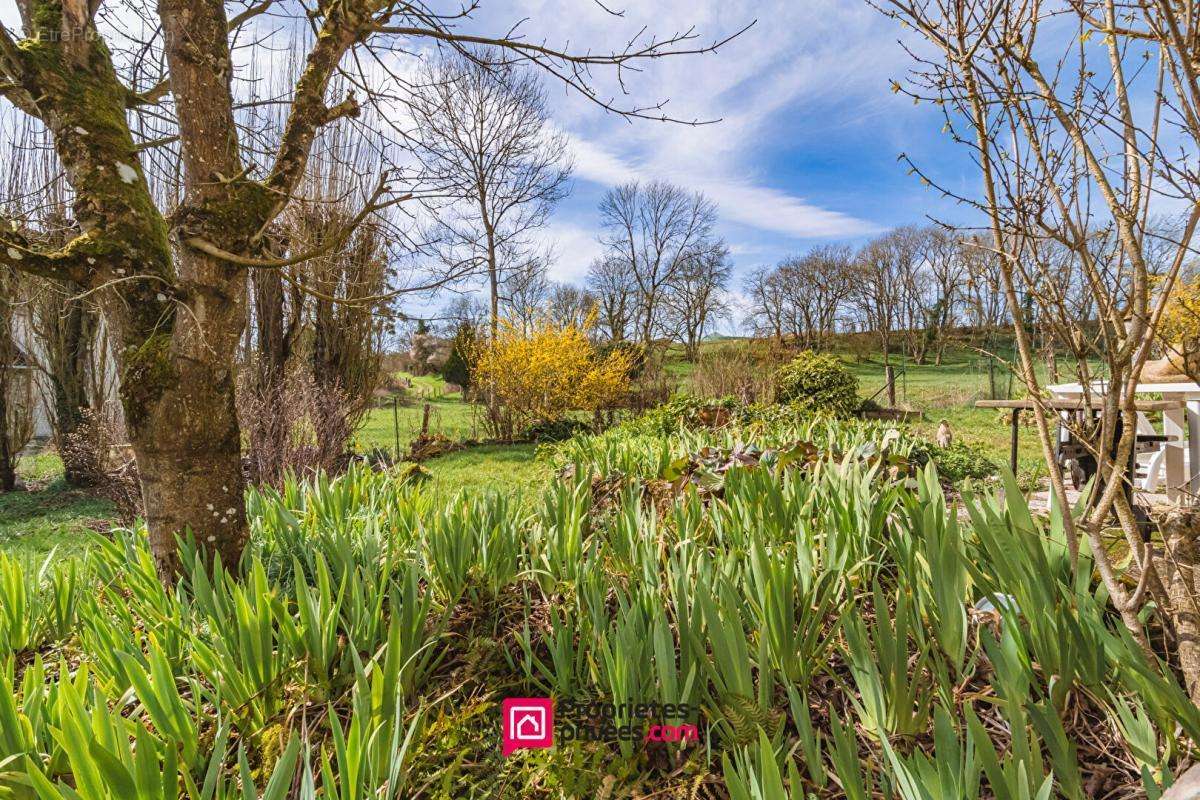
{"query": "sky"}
{"type": "Point", "coordinates": [805, 150]}
{"type": "Point", "coordinates": [806, 133]}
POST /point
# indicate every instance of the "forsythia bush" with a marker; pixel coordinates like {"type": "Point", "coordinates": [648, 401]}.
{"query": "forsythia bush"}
{"type": "Point", "coordinates": [544, 374]}
{"type": "Point", "coordinates": [1179, 330]}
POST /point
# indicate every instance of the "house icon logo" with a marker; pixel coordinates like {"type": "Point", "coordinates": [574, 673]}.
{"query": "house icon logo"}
{"type": "Point", "coordinates": [528, 722]}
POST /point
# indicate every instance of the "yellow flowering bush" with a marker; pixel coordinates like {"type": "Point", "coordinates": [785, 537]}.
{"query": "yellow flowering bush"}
{"type": "Point", "coordinates": [543, 375]}
{"type": "Point", "coordinates": [1179, 329]}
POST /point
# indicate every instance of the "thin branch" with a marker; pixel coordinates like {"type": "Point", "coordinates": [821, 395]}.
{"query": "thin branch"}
{"type": "Point", "coordinates": [156, 93]}
{"type": "Point", "coordinates": [205, 246]}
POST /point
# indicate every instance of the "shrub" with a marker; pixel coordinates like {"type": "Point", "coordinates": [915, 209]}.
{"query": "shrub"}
{"type": "Point", "coordinates": [685, 411]}
{"type": "Point", "coordinates": [554, 431]}
{"type": "Point", "coordinates": [294, 425]}
{"type": "Point", "coordinates": [457, 368]}
{"type": "Point", "coordinates": [544, 375]}
{"type": "Point", "coordinates": [103, 461]}
{"type": "Point", "coordinates": [635, 353]}
{"type": "Point", "coordinates": [736, 370]}
{"type": "Point", "coordinates": [818, 382]}
{"type": "Point", "coordinates": [958, 462]}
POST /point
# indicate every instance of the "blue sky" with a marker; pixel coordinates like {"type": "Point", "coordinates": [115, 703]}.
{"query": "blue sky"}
{"type": "Point", "coordinates": [806, 152]}
{"type": "Point", "coordinates": [806, 149]}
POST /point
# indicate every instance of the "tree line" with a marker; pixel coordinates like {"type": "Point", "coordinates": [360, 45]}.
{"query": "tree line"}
{"type": "Point", "coordinates": [908, 288]}
{"type": "Point", "coordinates": [664, 274]}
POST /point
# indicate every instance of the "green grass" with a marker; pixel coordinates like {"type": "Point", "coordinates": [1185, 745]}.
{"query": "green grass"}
{"type": "Point", "coordinates": [949, 391]}
{"type": "Point", "coordinates": [449, 415]}
{"type": "Point", "coordinates": [50, 518]}
{"type": "Point", "coordinates": [56, 518]}
{"type": "Point", "coordinates": [946, 391]}
{"type": "Point", "coordinates": [424, 385]}
{"type": "Point", "coordinates": [507, 468]}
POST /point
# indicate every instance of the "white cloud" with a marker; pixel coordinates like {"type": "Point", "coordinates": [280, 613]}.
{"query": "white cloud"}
{"type": "Point", "coordinates": [574, 248]}
{"type": "Point", "coordinates": [594, 163]}
{"type": "Point", "coordinates": [740, 199]}
{"type": "Point", "coordinates": [800, 55]}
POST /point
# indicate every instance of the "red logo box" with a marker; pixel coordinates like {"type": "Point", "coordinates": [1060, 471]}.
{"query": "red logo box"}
{"type": "Point", "coordinates": [528, 723]}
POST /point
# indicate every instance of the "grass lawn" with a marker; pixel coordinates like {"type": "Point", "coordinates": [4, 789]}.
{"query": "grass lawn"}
{"type": "Point", "coordinates": [449, 415]}
{"type": "Point", "coordinates": [51, 517]}
{"type": "Point", "coordinates": [507, 468]}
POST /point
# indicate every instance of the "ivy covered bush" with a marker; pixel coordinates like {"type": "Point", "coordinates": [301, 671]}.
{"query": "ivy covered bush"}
{"type": "Point", "coordinates": [819, 383]}
{"type": "Point", "coordinates": [958, 462]}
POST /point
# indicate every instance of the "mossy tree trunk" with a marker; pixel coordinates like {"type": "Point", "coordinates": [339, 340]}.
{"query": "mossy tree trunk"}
{"type": "Point", "coordinates": [176, 312]}
{"type": "Point", "coordinates": [71, 332]}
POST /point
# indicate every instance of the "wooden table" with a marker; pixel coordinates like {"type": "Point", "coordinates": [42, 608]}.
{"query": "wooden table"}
{"type": "Point", "coordinates": [1182, 424]}
{"type": "Point", "coordinates": [1169, 408]}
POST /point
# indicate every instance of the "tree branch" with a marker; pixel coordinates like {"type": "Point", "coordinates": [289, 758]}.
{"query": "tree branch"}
{"type": "Point", "coordinates": [555, 61]}
{"type": "Point", "coordinates": [207, 247]}
{"type": "Point", "coordinates": [346, 24]}
{"type": "Point", "coordinates": [652, 50]}
{"type": "Point", "coordinates": [156, 93]}
{"type": "Point", "coordinates": [71, 263]}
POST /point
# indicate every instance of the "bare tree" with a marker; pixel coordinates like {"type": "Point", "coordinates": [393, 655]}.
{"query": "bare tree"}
{"type": "Point", "coordinates": [768, 302]}
{"type": "Point", "coordinates": [66, 328]}
{"type": "Point", "coordinates": [984, 301]}
{"type": "Point", "coordinates": [938, 291]}
{"type": "Point", "coordinates": [1067, 154]}
{"type": "Point", "coordinates": [986, 307]}
{"type": "Point", "coordinates": [16, 388]}
{"type": "Point", "coordinates": [610, 282]}
{"type": "Point", "coordinates": [815, 289]}
{"type": "Point", "coordinates": [169, 263]}
{"type": "Point", "coordinates": [61, 323]}
{"type": "Point", "coordinates": [654, 229]}
{"type": "Point", "coordinates": [884, 285]}
{"type": "Point", "coordinates": [567, 304]}
{"type": "Point", "coordinates": [484, 141]}
{"type": "Point", "coordinates": [465, 310]}
{"type": "Point", "coordinates": [525, 293]}
{"type": "Point", "coordinates": [696, 295]}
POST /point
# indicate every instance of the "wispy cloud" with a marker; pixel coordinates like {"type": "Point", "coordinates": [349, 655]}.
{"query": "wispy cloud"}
{"type": "Point", "coordinates": [740, 199]}
{"type": "Point", "coordinates": [770, 84]}
{"type": "Point", "coordinates": [573, 248]}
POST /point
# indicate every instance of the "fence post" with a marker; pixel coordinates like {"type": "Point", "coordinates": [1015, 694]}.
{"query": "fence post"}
{"type": "Point", "coordinates": [425, 421]}
{"type": "Point", "coordinates": [396, 425]}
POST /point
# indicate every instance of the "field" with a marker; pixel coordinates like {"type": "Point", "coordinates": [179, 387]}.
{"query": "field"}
{"type": "Point", "coordinates": [33, 524]}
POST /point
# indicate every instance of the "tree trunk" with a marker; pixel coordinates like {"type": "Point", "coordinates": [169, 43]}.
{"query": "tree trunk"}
{"type": "Point", "coordinates": [69, 376]}
{"type": "Point", "coordinates": [8, 460]}
{"type": "Point", "coordinates": [493, 267]}
{"type": "Point", "coordinates": [1179, 565]}
{"type": "Point", "coordinates": [8, 362]}
{"type": "Point", "coordinates": [177, 317]}
{"type": "Point", "coordinates": [178, 394]}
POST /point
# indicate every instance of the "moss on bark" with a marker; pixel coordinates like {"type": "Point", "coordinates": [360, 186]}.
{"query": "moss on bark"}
{"type": "Point", "coordinates": [147, 374]}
